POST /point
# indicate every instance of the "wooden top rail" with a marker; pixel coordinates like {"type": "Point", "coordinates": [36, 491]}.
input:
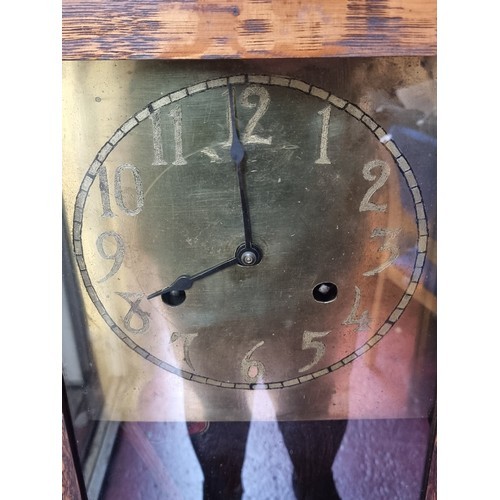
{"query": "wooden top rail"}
{"type": "Point", "coordinates": [199, 29]}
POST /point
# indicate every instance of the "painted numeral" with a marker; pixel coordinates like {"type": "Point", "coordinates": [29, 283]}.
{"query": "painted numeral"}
{"type": "Point", "coordinates": [390, 245]}
{"type": "Point", "coordinates": [227, 144]}
{"type": "Point", "coordinates": [156, 122]}
{"type": "Point", "coordinates": [251, 370]}
{"type": "Point", "coordinates": [176, 114]}
{"type": "Point", "coordinates": [104, 189]}
{"type": "Point", "coordinates": [308, 342]}
{"type": "Point", "coordinates": [323, 146]}
{"type": "Point", "coordinates": [363, 321]}
{"type": "Point", "coordinates": [139, 192]}
{"type": "Point", "coordinates": [135, 311]}
{"type": "Point", "coordinates": [212, 154]}
{"type": "Point", "coordinates": [105, 194]}
{"type": "Point", "coordinates": [158, 158]}
{"type": "Point", "coordinates": [366, 205]}
{"type": "Point", "coordinates": [117, 256]}
{"type": "Point", "coordinates": [186, 339]}
{"type": "Point", "coordinates": [262, 94]}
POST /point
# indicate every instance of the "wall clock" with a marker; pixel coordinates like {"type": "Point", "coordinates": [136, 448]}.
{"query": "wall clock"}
{"type": "Point", "coordinates": [248, 239]}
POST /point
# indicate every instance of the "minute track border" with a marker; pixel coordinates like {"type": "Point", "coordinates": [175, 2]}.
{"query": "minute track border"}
{"type": "Point", "coordinates": [272, 80]}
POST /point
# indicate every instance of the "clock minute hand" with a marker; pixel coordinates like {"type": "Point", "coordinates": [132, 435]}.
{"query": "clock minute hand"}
{"type": "Point", "coordinates": [185, 282]}
{"type": "Point", "coordinates": [237, 155]}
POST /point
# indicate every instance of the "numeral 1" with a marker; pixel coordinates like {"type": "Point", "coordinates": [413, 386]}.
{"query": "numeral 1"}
{"type": "Point", "coordinates": [176, 114]}
{"type": "Point", "coordinates": [104, 189]}
{"type": "Point", "coordinates": [158, 158]}
{"type": "Point", "coordinates": [323, 146]}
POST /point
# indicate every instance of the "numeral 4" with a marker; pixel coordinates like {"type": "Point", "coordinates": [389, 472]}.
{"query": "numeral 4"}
{"type": "Point", "coordinates": [362, 321]}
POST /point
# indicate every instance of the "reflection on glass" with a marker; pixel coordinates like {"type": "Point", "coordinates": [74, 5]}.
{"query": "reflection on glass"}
{"type": "Point", "coordinates": [306, 363]}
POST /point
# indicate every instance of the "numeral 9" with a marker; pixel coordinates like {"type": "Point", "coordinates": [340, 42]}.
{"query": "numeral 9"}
{"type": "Point", "coordinates": [117, 256]}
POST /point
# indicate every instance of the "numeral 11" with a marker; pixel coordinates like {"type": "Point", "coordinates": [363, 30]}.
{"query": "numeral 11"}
{"type": "Point", "coordinates": [158, 156]}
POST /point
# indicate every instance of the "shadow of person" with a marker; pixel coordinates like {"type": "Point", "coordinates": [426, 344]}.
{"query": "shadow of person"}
{"type": "Point", "coordinates": [312, 446]}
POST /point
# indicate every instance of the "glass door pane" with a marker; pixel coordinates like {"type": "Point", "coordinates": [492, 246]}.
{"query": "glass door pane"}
{"type": "Point", "coordinates": [250, 276]}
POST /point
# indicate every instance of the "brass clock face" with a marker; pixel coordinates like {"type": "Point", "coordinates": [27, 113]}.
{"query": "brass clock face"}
{"type": "Point", "coordinates": [249, 230]}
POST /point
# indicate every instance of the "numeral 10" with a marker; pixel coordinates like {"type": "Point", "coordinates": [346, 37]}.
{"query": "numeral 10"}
{"type": "Point", "coordinates": [105, 192]}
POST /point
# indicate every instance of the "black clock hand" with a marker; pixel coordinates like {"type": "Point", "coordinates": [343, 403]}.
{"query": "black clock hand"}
{"type": "Point", "coordinates": [247, 254]}
{"type": "Point", "coordinates": [185, 282]}
{"type": "Point", "coordinates": [237, 155]}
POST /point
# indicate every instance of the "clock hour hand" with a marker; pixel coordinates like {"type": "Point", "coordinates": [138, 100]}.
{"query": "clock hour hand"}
{"type": "Point", "coordinates": [185, 282]}
{"type": "Point", "coordinates": [237, 154]}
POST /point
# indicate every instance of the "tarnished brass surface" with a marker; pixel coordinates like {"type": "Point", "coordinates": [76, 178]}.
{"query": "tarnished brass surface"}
{"type": "Point", "coordinates": [151, 193]}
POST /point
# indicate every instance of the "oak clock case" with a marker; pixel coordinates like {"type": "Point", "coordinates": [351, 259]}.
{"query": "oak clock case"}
{"type": "Point", "coordinates": [250, 239]}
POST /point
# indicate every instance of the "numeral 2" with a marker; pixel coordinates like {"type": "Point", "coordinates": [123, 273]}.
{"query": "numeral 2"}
{"type": "Point", "coordinates": [366, 204]}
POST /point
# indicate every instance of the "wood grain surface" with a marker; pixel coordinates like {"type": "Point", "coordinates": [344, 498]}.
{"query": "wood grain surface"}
{"type": "Point", "coordinates": [197, 29]}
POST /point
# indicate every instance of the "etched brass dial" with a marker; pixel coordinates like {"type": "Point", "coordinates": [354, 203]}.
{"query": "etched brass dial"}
{"type": "Point", "coordinates": [169, 205]}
